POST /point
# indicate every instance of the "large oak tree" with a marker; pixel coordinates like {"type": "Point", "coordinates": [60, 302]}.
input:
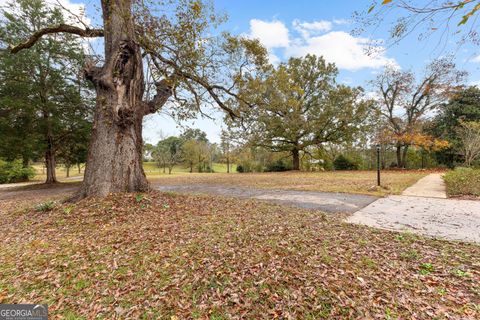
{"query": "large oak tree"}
{"type": "Point", "coordinates": [300, 105]}
{"type": "Point", "coordinates": [185, 61]}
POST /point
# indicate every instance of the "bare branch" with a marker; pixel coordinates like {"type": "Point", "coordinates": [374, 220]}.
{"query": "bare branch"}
{"type": "Point", "coordinates": [61, 28]}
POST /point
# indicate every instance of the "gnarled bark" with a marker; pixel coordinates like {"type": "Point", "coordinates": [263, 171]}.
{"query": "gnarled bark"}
{"type": "Point", "coordinates": [114, 161]}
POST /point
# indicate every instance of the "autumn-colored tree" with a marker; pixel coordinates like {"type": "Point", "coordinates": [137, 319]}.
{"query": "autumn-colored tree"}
{"type": "Point", "coordinates": [404, 102]}
{"type": "Point", "coordinates": [196, 153]}
{"type": "Point", "coordinates": [187, 64]}
{"type": "Point", "coordinates": [418, 139]}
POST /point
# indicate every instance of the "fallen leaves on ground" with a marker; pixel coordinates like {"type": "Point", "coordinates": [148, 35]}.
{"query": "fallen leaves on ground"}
{"type": "Point", "coordinates": [167, 256]}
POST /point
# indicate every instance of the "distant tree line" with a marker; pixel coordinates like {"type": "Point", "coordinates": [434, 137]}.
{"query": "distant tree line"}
{"type": "Point", "coordinates": [303, 120]}
{"type": "Point", "coordinates": [46, 107]}
{"type": "Point", "coordinates": [191, 149]}
{"type": "Point", "coordinates": [419, 120]}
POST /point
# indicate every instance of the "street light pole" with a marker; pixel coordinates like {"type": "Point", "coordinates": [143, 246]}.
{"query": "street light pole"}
{"type": "Point", "coordinates": [378, 164]}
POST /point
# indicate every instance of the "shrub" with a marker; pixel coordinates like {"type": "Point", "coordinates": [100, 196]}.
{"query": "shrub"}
{"type": "Point", "coordinates": [278, 166]}
{"type": "Point", "coordinates": [463, 182]}
{"type": "Point", "coordinates": [45, 206]}
{"type": "Point", "coordinates": [244, 167]}
{"type": "Point", "coordinates": [13, 171]}
{"type": "Point", "coordinates": [344, 163]}
{"type": "Point", "coordinates": [259, 168]}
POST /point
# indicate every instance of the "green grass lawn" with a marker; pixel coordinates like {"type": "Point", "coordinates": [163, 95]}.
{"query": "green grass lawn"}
{"type": "Point", "coordinates": [166, 256]}
{"type": "Point", "coordinates": [151, 169]}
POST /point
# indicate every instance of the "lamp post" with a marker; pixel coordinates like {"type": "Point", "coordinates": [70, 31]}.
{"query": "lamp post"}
{"type": "Point", "coordinates": [378, 164]}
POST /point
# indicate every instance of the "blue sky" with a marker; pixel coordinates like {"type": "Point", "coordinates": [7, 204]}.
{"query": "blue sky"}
{"type": "Point", "coordinates": [294, 28]}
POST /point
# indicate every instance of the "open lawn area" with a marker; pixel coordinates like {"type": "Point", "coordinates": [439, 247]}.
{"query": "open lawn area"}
{"type": "Point", "coordinates": [151, 170]}
{"type": "Point", "coordinates": [361, 182]}
{"type": "Point", "coordinates": [157, 255]}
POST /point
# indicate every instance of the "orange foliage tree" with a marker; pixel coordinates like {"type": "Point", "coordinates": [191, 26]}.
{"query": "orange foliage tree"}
{"type": "Point", "coordinates": [414, 139]}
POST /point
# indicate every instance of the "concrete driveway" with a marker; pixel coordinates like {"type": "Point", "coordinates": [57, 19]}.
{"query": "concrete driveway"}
{"type": "Point", "coordinates": [442, 218]}
{"type": "Point", "coordinates": [424, 209]}
{"type": "Point", "coordinates": [324, 201]}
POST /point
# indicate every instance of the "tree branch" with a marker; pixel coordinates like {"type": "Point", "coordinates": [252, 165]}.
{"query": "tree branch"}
{"type": "Point", "coordinates": [61, 28]}
{"type": "Point", "coordinates": [164, 91]}
{"type": "Point", "coordinates": [208, 87]}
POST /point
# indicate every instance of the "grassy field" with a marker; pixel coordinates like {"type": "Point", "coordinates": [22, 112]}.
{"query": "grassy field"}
{"type": "Point", "coordinates": [463, 182]}
{"type": "Point", "coordinates": [150, 168]}
{"type": "Point", "coordinates": [165, 256]}
{"type": "Point", "coordinates": [362, 182]}
{"type": "Point", "coordinates": [61, 172]}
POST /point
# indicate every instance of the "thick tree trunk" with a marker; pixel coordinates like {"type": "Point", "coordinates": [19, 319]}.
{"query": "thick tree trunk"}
{"type": "Point", "coordinates": [404, 157]}
{"type": "Point", "coordinates": [296, 159]}
{"type": "Point", "coordinates": [399, 156]}
{"type": "Point", "coordinates": [115, 157]}
{"type": "Point", "coordinates": [68, 170]}
{"type": "Point", "coordinates": [50, 163]}
{"type": "Point", "coordinates": [115, 152]}
{"type": "Point", "coordinates": [228, 164]}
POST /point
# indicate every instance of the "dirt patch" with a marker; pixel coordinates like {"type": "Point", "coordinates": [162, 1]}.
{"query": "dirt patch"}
{"type": "Point", "coordinates": [19, 197]}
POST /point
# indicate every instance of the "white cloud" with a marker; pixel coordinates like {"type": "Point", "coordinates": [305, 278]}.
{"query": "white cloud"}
{"type": "Point", "coordinates": [341, 21]}
{"type": "Point", "coordinates": [475, 59]}
{"type": "Point", "coordinates": [308, 28]}
{"type": "Point", "coordinates": [272, 34]}
{"type": "Point", "coordinates": [343, 49]}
